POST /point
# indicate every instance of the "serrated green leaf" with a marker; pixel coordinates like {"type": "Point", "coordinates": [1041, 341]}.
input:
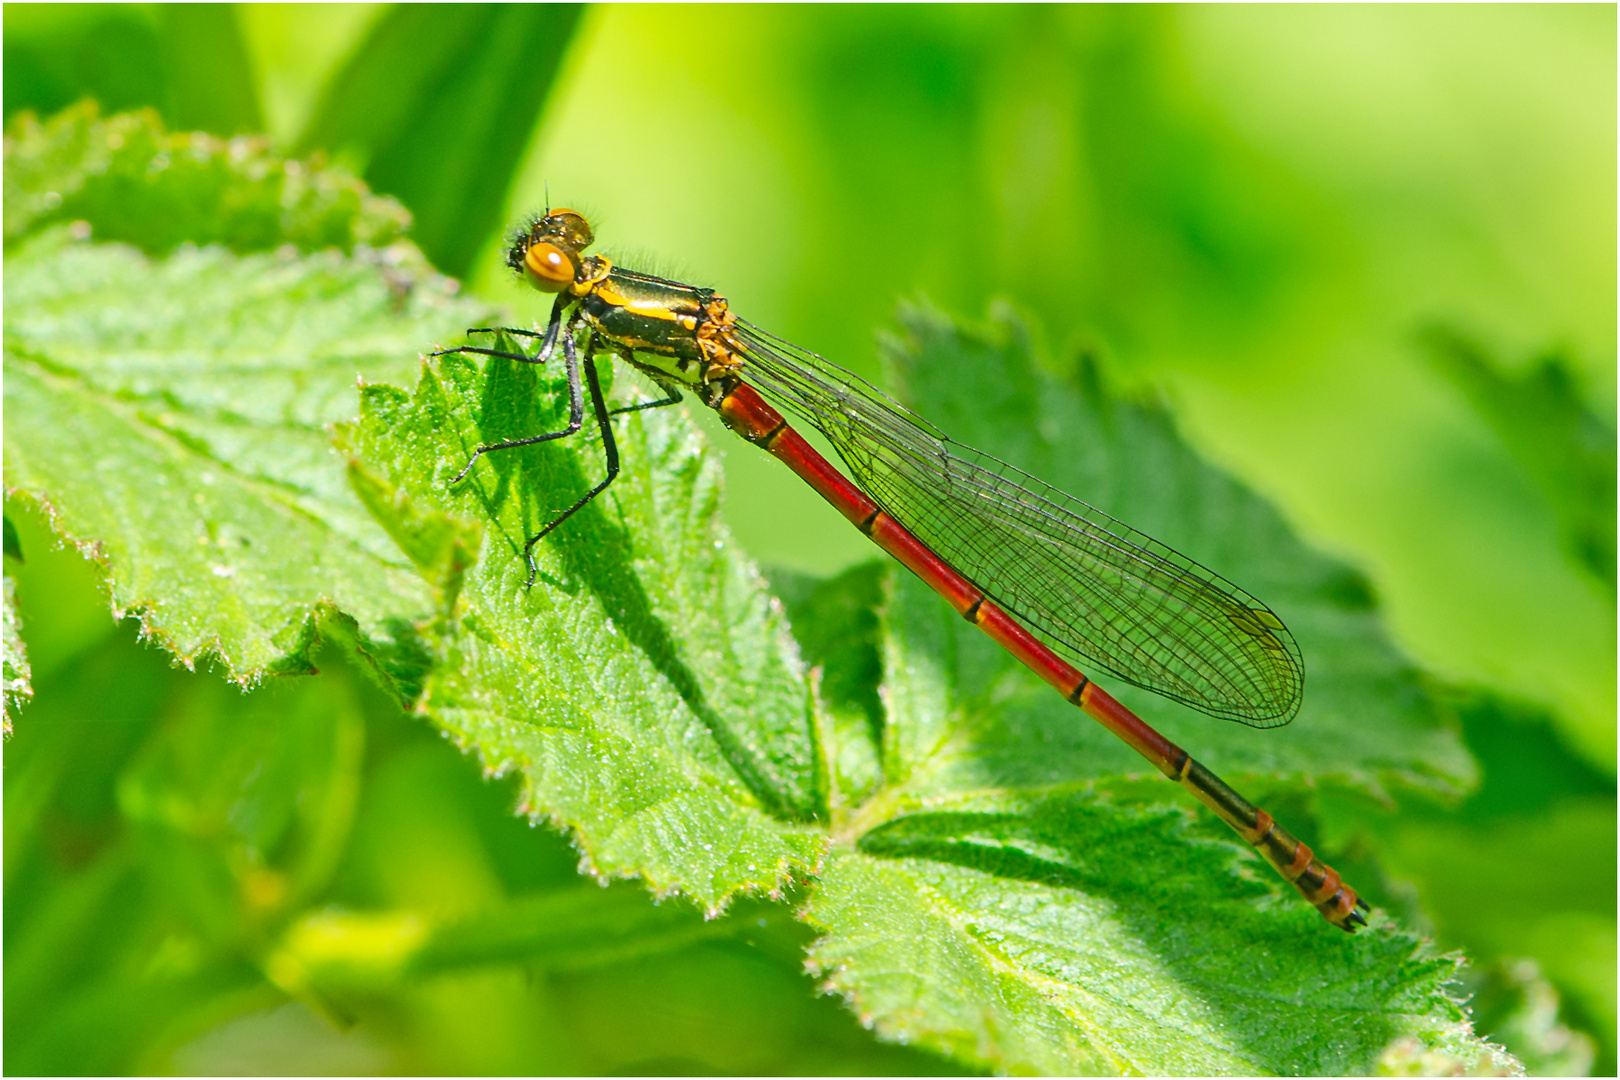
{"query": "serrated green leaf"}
{"type": "Point", "coordinates": [646, 685]}
{"type": "Point", "coordinates": [129, 180]}
{"type": "Point", "coordinates": [171, 413]}
{"type": "Point", "coordinates": [1060, 933]}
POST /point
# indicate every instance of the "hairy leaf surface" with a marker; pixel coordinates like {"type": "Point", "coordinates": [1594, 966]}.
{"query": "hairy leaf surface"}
{"type": "Point", "coordinates": [646, 685]}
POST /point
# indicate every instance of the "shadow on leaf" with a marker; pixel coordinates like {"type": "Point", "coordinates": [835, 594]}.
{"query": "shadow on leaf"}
{"type": "Point", "coordinates": [597, 550]}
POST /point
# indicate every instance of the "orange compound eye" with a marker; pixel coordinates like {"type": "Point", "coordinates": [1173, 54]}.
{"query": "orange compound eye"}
{"type": "Point", "coordinates": [549, 268]}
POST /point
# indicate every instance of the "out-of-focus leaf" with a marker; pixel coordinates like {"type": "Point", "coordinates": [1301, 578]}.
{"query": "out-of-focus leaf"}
{"type": "Point", "coordinates": [1566, 448]}
{"type": "Point", "coordinates": [158, 828]}
{"type": "Point", "coordinates": [1515, 1005]}
{"type": "Point", "coordinates": [438, 103]}
{"type": "Point", "coordinates": [1526, 767]}
{"type": "Point", "coordinates": [1548, 883]}
{"type": "Point", "coordinates": [170, 414]}
{"type": "Point", "coordinates": [59, 54]}
{"type": "Point", "coordinates": [646, 685]}
{"type": "Point", "coordinates": [106, 971]}
{"type": "Point", "coordinates": [248, 804]}
{"type": "Point", "coordinates": [132, 181]}
{"type": "Point", "coordinates": [187, 61]}
{"type": "Point", "coordinates": [211, 85]}
{"type": "Point", "coordinates": [18, 685]}
{"type": "Point", "coordinates": [1524, 868]}
{"type": "Point", "coordinates": [333, 952]}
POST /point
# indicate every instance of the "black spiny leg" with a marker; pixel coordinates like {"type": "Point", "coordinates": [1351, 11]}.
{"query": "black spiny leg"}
{"type": "Point", "coordinates": [515, 331]}
{"type": "Point", "coordinates": [672, 393]}
{"type": "Point", "coordinates": [555, 331]}
{"type": "Point", "coordinates": [547, 345]}
{"type": "Point", "coordinates": [610, 450]}
{"type": "Point", "coordinates": [576, 400]}
{"type": "Point", "coordinates": [673, 398]}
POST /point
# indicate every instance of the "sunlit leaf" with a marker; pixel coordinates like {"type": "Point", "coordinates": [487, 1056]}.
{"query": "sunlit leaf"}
{"type": "Point", "coordinates": [1062, 934]}
{"type": "Point", "coordinates": [646, 685]}
{"type": "Point", "coordinates": [170, 412]}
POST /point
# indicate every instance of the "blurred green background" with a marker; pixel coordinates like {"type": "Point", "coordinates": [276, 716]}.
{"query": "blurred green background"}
{"type": "Point", "coordinates": [1367, 255]}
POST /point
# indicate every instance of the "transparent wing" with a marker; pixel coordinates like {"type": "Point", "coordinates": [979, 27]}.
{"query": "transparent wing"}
{"type": "Point", "coordinates": [1091, 587]}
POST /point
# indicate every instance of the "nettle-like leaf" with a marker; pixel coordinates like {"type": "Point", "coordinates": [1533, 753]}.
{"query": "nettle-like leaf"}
{"type": "Point", "coordinates": [1018, 895]}
{"type": "Point", "coordinates": [646, 686]}
{"type": "Point", "coordinates": [136, 183]}
{"type": "Point", "coordinates": [1065, 933]}
{"type": "Point", "coordinates": [171, 412]}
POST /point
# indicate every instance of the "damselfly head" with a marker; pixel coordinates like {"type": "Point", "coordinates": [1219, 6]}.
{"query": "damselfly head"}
{"type": "Point", "coordinates": [547, 251]}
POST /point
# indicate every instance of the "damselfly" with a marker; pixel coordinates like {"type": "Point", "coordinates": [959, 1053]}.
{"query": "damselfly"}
{"type": "Point", "coordinates": [1045, 575]}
